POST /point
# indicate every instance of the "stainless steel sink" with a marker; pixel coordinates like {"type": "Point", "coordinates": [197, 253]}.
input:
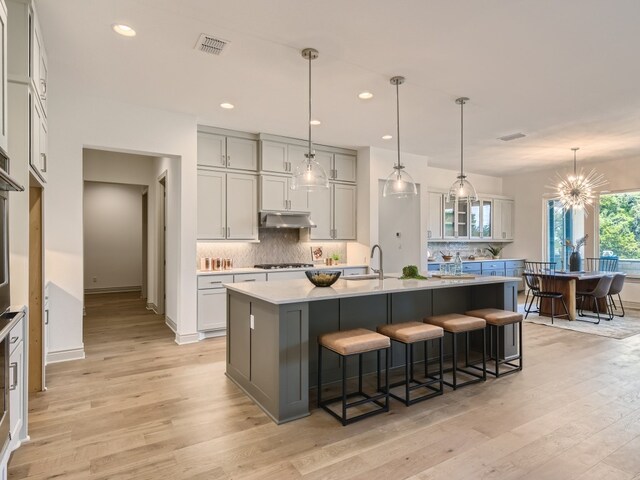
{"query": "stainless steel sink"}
{"type": "Point", "coordinates": [368, 276]}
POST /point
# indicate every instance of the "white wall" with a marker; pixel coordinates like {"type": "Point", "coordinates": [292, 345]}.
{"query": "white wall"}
{"type": "Point", "coordinates": [112, 236]}
{"type": "Point", "coordinates": [375, 164]}
{"type": "Point", "coordinates": [78, 121]}
{"type": "Point", "coordinates": [529, 191]}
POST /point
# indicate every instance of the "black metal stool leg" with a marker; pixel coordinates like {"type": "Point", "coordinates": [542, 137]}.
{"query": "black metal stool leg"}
{"type": "Point", "coordinates": [466, 350]}
{"type": "Point", "coordinates": [442, 364]}
{"type": "Point", "coordinates": [344, 391]}
{"type": "Point", "coordinates": [378, 370]}
{"type": "Point", "coordinates": [496, 332]}
{"type": "Point", "coordinates": [520, 325]}
{"type": "Point", "coordinates": [360, 373]}
{"type": "Point", "coordinates": [455, 360]}
{"type": "Point", "coordinates": [484, 354]}
{"type": "Point", "coordinates": [319, 375]}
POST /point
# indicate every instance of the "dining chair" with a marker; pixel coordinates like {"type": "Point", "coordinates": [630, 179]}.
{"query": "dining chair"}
{"type": "Point", "coordinates": [616, 287]}
{"type": "Point", "coordinates": [601, 264]}
{"type": "Point", "coordinates": [542, 283]}
{"type": "Point", "coordinates": [600, 291]}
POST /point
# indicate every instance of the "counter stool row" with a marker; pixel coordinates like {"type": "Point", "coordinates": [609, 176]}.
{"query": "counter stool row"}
{"type": "Point", "coordinates": [349, 343]}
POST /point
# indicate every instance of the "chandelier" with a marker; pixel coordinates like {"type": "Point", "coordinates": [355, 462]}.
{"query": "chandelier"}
{"type": "Point", "coordinates": [577, 190]}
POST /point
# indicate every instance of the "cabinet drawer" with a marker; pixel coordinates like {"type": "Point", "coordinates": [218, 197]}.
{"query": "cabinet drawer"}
{"type": "Point", "coordinates": [471, 267]}
{"type": "Point", "coordinates": [213, 281]}
{"type": "Point", "coordinates": [433, 267]}
{"type": "Point", "coordinates": [278, 276]}
{"type": "Point", "coordinates": [515, 264]}
{"type": "Point", "coordinates": [499, 272]}
{"type": "Point", "coordinates": [492, 265]}
{"type": "Point", "coordinates": [250, 277]}
{"type": "Point", "coordinates": [15, 336]}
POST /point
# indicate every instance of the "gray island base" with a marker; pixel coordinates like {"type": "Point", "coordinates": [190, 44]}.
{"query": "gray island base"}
{"type": "Point", "coordinates": [272, 328]}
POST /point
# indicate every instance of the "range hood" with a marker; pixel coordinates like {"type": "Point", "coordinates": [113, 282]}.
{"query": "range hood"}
{"type": "Point", "coordinates": [285, 220]}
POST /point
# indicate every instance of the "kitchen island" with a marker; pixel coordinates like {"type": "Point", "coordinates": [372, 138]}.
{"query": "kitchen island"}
{"type": "Point", "coordinates": [272, 328]}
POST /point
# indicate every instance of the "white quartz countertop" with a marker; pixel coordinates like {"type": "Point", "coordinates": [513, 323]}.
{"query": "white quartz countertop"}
{"type": "Point", "coordinates": [262, 270]}
{"type": "Point", "coordinates": [437, 262]}
{"type": "Point", "coordinates": [295, 291]}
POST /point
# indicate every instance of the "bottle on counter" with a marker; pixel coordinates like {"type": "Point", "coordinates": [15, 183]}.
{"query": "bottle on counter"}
{"type": "Point", "coordinates": [457, 264]}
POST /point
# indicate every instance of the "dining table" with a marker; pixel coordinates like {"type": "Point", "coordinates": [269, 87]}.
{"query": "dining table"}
{"type": "Point", "coordinates": [568, 283]}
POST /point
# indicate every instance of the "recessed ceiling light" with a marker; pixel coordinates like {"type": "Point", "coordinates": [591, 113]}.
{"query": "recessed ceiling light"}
{"type": "Point", "coordinates": [315, 122]}
{"type": "Point", "coordinates": [387, 137]}
{"type": "Point", "coordinates": [365, 95]}
{"type": "Point", "coordinates": [124, 30]}
{"type": "Point", "coordinates": [226, 105]}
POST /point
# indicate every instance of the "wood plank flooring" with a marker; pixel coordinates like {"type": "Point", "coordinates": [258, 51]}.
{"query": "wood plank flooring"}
{"type": "Point", "coordinates": [141, 407]}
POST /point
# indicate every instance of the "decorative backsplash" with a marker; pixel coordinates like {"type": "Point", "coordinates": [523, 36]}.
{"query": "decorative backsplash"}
{"type": "Point", "coordinates": [478, 249]}
{"type": "Point", "coordinates": [276, 246]}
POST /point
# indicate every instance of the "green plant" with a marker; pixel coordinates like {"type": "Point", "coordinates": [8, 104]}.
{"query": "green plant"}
{"type": "Point", "coordinates": [581, 242]}
{"type": "Point", "coordinates": [335, 257]}
{"type": "Point", "coordinates": [411, 272]}
{"type": "Point", "coordinates": [494, 250]}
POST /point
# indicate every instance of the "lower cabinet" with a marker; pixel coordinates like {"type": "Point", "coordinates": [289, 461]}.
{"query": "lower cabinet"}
{"type": "Point", "coordinates": [16, 389]}
{"type": "Point", "coordinates": [212, 309]}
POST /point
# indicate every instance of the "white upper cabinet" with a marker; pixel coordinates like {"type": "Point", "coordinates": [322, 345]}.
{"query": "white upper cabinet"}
{"type": "Point", "coordinates": [242, 206]}
{"type": "Point", "coordinates": [344, 169]}
{"type": "Point", "coordinates": [242, 154]}
{"type": "Point", "coordinates": [503, 211]}
{"type": "Point", "coordinates": [274, 157]}
{"type": "Point", "coordinates": [298, 199]}
{"type": "Point", "coordinates": [39, 68]}
{"type": "Point", "coordinates": [3, 85]}
{"type": "Point", "coordinates": [212, 205]}
{"type": "Point", "coordinates": [344, 199]}
{"type": "Point", "coordinates": [325, 159]}
{"type": "Point", "coordinates": [434, 225]}
{"type": "Point", "coordinates": [276, 195]}
{"type": "Point", "coordinates": [219, 151]}
{"type": "Point", "coordinates": [321, 208]}
{"type": "Point", "coordinates": [38, 146]}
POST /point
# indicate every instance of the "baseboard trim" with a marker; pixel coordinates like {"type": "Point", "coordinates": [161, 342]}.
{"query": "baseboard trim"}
{"type": "Point", "coordinates": [65, 355]}
{"type": "Point", "coordinates": [132, 288]}
{"type": "Point", "coordinates": [188, 338]}
{"type": "Point", "coordinates": [213, 334]}
{"type": "Point", "coordinates": [153, 307]}
{"type": "Point", "coordinates": [171, 324]}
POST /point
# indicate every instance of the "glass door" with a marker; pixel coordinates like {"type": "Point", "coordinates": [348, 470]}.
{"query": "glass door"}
{"type": "Point", "coordinates": [463, 220]}
{"type": "Point", "coordinates": [449, 218]}
{"type": "Point", "coordinates": [559, 229]}
{"type": "Point", "coordinates": [476, 219]}
{"type": "Point", "coordinates": [487, 207]}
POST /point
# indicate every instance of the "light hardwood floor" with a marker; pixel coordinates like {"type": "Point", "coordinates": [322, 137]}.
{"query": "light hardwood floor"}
{"type": "Point", "coordinates": [142, 407]}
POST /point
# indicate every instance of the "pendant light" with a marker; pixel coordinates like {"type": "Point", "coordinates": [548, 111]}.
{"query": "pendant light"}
{"type": "Point", "coordinates": [309, 174]}
{"type": "Point", "coordinates": [577, 190]}
{"type": "Point", "coordinates": [462, 188]}
{"type": "Point", "coordinates": [399, 183]}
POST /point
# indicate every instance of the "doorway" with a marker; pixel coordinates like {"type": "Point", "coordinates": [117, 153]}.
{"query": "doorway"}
{"type": "Point", "coordinates": [37, 318]}
{"type": "Point", "coordinates": [399, 230]}
{"type": "Point", "coordinates": [162, 243]}
{"type": "Point", "coordinates": [145, 248]}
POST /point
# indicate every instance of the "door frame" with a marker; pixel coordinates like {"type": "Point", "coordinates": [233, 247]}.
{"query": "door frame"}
{"type": "Point", "coordinates": [162, 244]}
{"type": "Point", "coordinates": [38, 317]}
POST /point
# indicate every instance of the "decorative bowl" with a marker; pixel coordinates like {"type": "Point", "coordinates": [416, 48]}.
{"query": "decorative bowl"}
{"type": "Point", "coordinates": [323, 278]}
{"type": "Point", "coordinates": [447, 258]}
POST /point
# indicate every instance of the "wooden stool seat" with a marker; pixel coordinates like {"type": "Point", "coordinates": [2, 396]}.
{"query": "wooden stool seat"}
{"type": "Point", "coordinates": [457, 323]}
{"type": "Point", "coordinates": [353, 342]}
{"type": "Point", "coordinates": [495, 316]}
{"type": "Point", "coordinates": [411, 332]}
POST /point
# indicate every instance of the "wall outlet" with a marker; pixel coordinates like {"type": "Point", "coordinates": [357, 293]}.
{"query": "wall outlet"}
{"type": "Point", "coordinates": [94, 279]}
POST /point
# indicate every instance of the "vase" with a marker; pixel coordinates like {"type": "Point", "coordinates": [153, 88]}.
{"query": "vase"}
{"type": "Point", "coordinates": [575, 262]}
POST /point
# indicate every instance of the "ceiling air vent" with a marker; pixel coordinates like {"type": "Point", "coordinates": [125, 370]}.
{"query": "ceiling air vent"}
{"type": "Point", "coordinates": [210, 44]}
{"type": "Point", "coordinates": [513, 136]}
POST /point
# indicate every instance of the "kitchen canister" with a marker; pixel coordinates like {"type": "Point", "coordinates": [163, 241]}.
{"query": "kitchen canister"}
{"type": "Point", "coordinates": [205, 263]}
{"type": "Point", "coordinates": [227, 263]}
{"type": "Point", "coordinates": [216, 263]}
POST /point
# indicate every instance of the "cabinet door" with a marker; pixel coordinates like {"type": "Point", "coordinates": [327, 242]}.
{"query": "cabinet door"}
{"type": "Point", "coordinates": [242, 153]}
{"type": "Point", "coordinates": [321, 214]}
{"type": "Point", "coordinates": [496, 228]}
{"type": "Point", "coordinates": [463, 219]}
{"type": "Point", "coordinates": [211, 150]}
{"type": "Point", "coordinates": [36, 53]}
{"type": "Point", "coordinates": [344, 167]}
{"type": "Point", "coordinates": [43, 140]}
{"type": "Point", "coordinates": [487, 218]}
{"type": "Point", "coordinates": [212, 309]}
{"type": "Point", "coordinates": [475, 219]}
{"type": "Point", "coordinates": [325, 159]}
{"type": "Point", "coordinates": [273, 193]}
{"type": "Point", "coordinates": [36, 158]}
{"type": "Point", "coordinates": [242, 207]}
{"type": "Point", "coordinates": [16, 389]}
{"type": "Point", "coordinates": [3, 80]}
{"type": "Point", "coordinates": [211, 206]}
{"type": "Point", "coordinates": [274, 157]}
{"type": "Point", "coordinates": [344, 211]}
{"type": "Point", "coordinates": [434, 223]}
{"type": "Point", "coordinates": [43, 81]}
{"type": "Point", "coordinates": [449, 213]}
{"type": "Point", "coordinates": [298, 199]}
{"type": "Point", "coordinates": [507, 219]}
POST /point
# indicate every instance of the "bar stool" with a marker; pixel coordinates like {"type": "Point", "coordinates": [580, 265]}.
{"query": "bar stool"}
{"type": "Point", "coordinates": [455, 324]}
{"type": "Point", "coordinates": [408, 334]}
{"type": "Point", "coordinates": [496, 321]}
{"type": "Point", "coordinates": [348, 343]}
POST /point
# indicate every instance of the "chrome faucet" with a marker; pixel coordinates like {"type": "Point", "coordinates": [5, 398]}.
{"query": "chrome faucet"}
{"type": "Point", "coordinates": [379, 272]}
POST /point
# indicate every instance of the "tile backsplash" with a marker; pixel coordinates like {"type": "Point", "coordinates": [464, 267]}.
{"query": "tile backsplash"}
{"type": "Point", "coordinates": [275, 246]}
{"type": "Point", "coordinates": [465, 248]}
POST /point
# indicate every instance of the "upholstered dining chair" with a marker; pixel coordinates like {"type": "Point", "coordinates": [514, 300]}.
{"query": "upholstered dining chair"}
{"type": "Point", "coordinates": [616, 287]}
{"type": "Point", "coordinates": [600, 291]}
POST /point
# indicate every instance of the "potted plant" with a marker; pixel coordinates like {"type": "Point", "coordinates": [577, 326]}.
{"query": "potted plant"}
{"type": "Point", "coordinates": [334, 259]}
{"type": "Point", "coordinates": [494, 250]}
{"type": "Point", "coordinates": [575, 260]}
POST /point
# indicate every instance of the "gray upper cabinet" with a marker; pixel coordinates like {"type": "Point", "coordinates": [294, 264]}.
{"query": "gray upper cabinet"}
{"type": "Point", "coordinates": [344, 211]}
{"type": "Point", "coordinates": [212, 205]}
{"type": "Point", "coordinates": [434, 225]}
{"type": "Point", "coordinates": [242, 206]}
{"type": "Point", "coordinates": [321, 207]}
{"type": "Point", "coordinates": [344, 168]}
{"type": "Point", "coordinates": [325, 159]}
{"type": "Point", "coordinates": [276, 195]}
{"type": "Point", "coordinates": [273, 157]}
{"type": "Point", "coordinates": [503, 219]}
{"type": "Point", "coordinates": [221, 151]}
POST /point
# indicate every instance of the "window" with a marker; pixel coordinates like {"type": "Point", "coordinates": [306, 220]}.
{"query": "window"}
{"type": "Point", "coordinates": [559, 228]}
{"type": "Point", "coordinates": [619, 227]}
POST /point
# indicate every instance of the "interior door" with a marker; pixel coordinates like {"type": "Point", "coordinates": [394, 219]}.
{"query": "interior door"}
{"type": "Point", "coordinates": [242, 207]}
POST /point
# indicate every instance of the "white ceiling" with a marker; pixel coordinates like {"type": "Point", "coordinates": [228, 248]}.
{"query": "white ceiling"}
{"type": "Point", "coordinates": [566, 73]}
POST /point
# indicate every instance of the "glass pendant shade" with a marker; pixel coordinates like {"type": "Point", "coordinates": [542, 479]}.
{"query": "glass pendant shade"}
{"type": "Point", "coordinates": [399, 184]}
{"type": "Point", "coordinates": [309, 175]}
{"type": "Point", "coordinates": [462, 189]}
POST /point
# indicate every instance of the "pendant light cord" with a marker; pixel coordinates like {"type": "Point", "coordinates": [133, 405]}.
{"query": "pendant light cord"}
{"type": "Point", "coordinates": [398, 119]}
{"type": "Point", "coordinates": [310, 57]}
{"type": "Point", "coordinates": [575, 168]}
{"type": "Point", "coordinates": [461, 141]}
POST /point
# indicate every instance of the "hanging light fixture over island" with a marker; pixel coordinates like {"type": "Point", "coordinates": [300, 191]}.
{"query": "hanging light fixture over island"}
{"type": "Point", "coordinates": [462, 189]}
{"type": "Point", "coordinates": [309, 174]}
{"type": "Point", "coordinates": [399, 183]}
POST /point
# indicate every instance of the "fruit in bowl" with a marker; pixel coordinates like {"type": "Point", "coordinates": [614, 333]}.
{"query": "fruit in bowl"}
{"type": "Point", "coordinates": [323, 278]}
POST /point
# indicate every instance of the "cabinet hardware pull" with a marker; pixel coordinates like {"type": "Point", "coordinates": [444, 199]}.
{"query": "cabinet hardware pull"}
{"type": "Point", "coordinates": [14, 339]}
{"type": "Point", "coordinates": [44, 162]}
{"type": "Point", "coordinates": [14, 382]}
{"type": "Point", "coordinates": [250, 280]}
{"type": "Point", "coordinates": [43, 85]}
{"type": "Point", "coordinates": [213, 283]}
{"type": "Point", "coordinates": [228, 232]}
{"type": "Point", "coordinates": [46, 317]}
{"type": "Point", "coordinates": [228, 160]}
